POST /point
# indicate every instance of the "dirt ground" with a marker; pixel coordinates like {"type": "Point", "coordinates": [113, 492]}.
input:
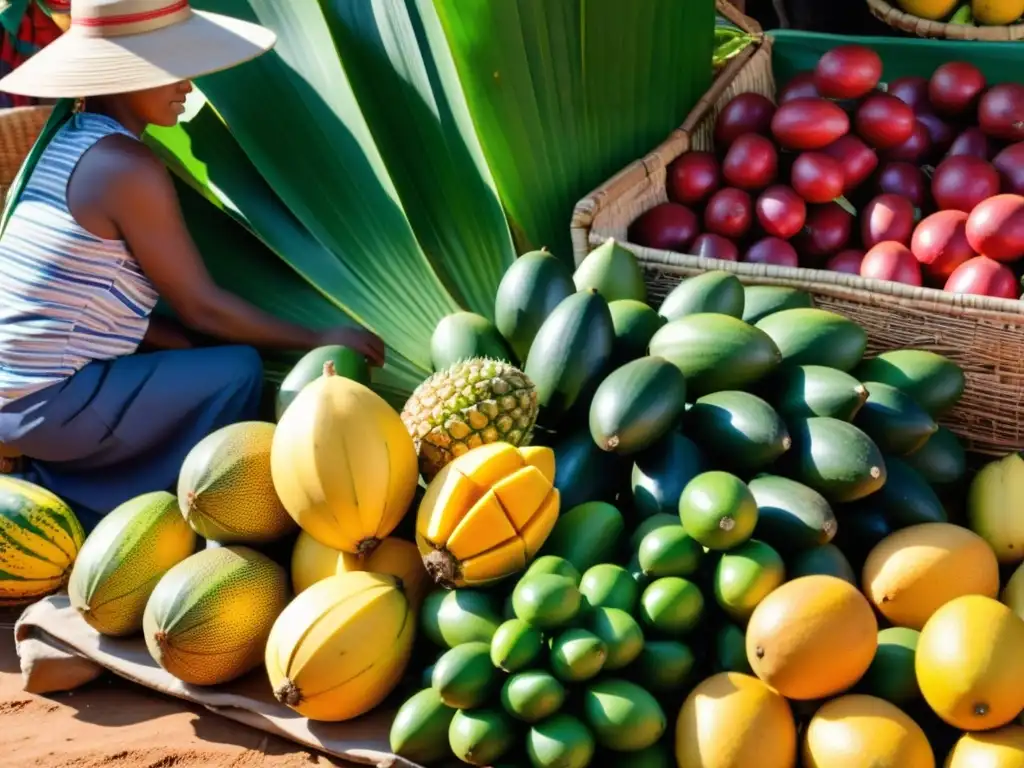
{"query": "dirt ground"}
{"type": "Point", "coordinates": [111, 723]}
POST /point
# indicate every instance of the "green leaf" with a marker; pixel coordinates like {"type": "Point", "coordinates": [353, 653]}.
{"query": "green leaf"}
{"type": "Point", "coordinates": [565, 93]}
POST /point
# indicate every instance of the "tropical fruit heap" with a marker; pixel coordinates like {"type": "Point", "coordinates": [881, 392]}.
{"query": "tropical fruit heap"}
{"type": "Point", "coordinates": [975, 12]}
{"type": "Point", "coordinates": [711, 535]}
{"type": "Point", "coordinates": [917, 181]}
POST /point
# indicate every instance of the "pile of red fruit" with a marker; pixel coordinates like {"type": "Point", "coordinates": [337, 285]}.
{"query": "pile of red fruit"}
{"type": "Point", "coordinates": [931, 169]}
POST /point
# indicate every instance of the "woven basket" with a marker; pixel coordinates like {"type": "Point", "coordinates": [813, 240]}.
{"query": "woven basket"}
{"type": "Point", "coordinates": [19, 128]}
{"type": "Point", "coordinates": [985, 336]}
{"type": "Point", "coordinates": [915, 25]}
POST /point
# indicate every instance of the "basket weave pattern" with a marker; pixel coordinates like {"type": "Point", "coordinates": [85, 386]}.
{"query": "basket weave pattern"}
{"type": "Point", "coordinates": [19, 128]}
{"type": "Point", "coordinates": [915, 25]}
{"type": "Point", "coordinates": [985, 336]}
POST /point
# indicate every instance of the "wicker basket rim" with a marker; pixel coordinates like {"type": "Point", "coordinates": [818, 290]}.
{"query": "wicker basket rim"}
{"type": "Point", "coordinates": [900, 19]}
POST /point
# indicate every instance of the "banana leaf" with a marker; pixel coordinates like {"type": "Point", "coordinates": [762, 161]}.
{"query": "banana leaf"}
{"type": "Point", "coordinates": [565, 93]}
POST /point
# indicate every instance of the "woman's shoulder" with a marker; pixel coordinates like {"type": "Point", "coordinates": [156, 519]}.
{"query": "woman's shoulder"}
{"type": "Point", "coordinates": [122, 164]}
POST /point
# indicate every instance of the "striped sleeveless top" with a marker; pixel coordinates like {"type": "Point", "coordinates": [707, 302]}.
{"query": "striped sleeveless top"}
{"type": "Point", "coordinates": [67, 297]}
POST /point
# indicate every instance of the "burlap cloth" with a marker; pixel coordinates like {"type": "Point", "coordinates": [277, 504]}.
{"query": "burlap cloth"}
{"type": "Point", "coordinates": [59, 652]}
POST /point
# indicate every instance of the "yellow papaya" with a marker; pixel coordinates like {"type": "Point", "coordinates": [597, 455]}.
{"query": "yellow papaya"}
{"type": "Point", "coordinates": [343, 464]}
{"type": "Point", "coordinates": [341, 646]}
{"type": "Point", "coordinates": [995, 507]}
{"type": "Point", "coordinates": [486, 514]}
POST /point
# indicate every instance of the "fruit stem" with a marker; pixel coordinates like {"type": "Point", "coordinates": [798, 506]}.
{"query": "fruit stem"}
{"type": "Point", "coordinates": [442, 567]}
{"type": "Point", "coordinates": [329, 369]}
{"type": "Point", "coordinates": [288, 693]}
{"type": "Point", "coordinates": [367, 545]}
{"type": "Point", "coordinates": [846, 205]}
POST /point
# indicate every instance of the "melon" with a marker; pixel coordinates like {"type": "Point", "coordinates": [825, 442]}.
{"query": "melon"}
{"type": "Point", "coordinates": [225, 488]}
{"type": "Point", "coordinates": [39, 540]}
{"type": "Point", "coordinates": [209, 617]}
{"type": "Point", "coordinates": [343, 464]}
{"type": "Point", "coordinates": [347, 362]}
{"type": "Point", "coordinates": [1000, 748]}
{"type": "Point", "coordinates": [124, 558]}
{"type": "Point", "coordinates": [341, 646]}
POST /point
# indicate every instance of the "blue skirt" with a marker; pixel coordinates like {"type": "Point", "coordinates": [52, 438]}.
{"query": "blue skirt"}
{"type": "Point", "coordinates": [120, 428]}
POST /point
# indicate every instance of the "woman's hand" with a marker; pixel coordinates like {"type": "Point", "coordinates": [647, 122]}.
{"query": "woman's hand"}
{"type": "Point", "coordinates": [364, 342]}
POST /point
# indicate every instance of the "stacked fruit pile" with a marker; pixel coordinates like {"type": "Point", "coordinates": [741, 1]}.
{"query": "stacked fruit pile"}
{"type": "Point", "coordinates": [977, 12]}
{"type": "Point", "coordinates": [918, 181]}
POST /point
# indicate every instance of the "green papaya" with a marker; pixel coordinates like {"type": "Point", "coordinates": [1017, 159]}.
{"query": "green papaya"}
{"type": "Point", "coordinates": [622, 715]}
{"type": "Point", "coordinates": [577, 654]}
{"type": "Point", "coordinates": [669, 551]}
{"type": "Point", "coordinates": [942, 460]}
{"type": "Point", "coordinates": [515, 646]}
{"type": "Point", "coordinates": [451, 618]}
{"type": "Point", "coordinates": [621, 635]}
{"type": "Point", "coordinates": [612, 271]}
{"type": "Point", "coordinates": [464, 677]}
{"type": "Point", "coordinates": [836, 459]}
{"type": "Point", "coordinates": [583, 472]}
{"type": "Point", "coordinates": [662, 471]}
{"type": "Point", "coordinates": [587, 535]}
{"type": "Point", "coordinates": [664, 666]}
{"type": "Point", "coordinates": [802, 391]}
{"type": "Point", "coordinates": [715, 291]}
{"type": "Point", "coordinates": [637, 405]}
{"type": "Point", "coordinates": [790, 516]}
{"type": "Point", "coordinates": [671, 606]}
{"type": "Point", "coordinates": [894, 420]}
{"type": "Point", "coordinates": [570, 351]}
{"type": "Point", "coordinates": [532, 696]}
{"type": "Point", "coordinates": [419, 732]}
{"type": "Point", "coordinates": [652, 523]}
{"type": "Point", "coordinates": [816, 337]}
{"type": "Point", "coordinates": [718, 510]}
{"type": "Point", "coordinates": [546, 601]}
{"type": "Point", "coordinates": [745, 576]}
{"type": "Point", "coordinates": [759, 301]}
{"type": "Point", "coordinates": [634, 323]}
{"type": "Point", "coordinates": [826, 560]}
{"type": "Point", "coordinates": [464, 335]}
{"type": "Point", "coordinates": [347, 363]}
{"type": "Point", "coordinates": [609, 586]}
{"type": "Point", "coordinates": [561, 741]}
{"type": "Point", "coordinates": [480, 736]}
{"type": "Point", "coordinates": [556, 565]}
{"type": "Point", "coordinates": [935, 382]}
{"type": "Point", "coordinates": [742, 431]}
{"type": "Point", "coordinates": [891, 675]}
{"type": "Point", "coordinates": [716, 352]}
{"type": "Point", "coordinates": [907, 498]}
{"type": "Point", "coordinates": [529, 291]}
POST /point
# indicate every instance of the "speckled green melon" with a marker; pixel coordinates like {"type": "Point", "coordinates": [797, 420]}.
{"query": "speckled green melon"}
{"type": "Point", "coordinates": [209, 617]}
{"type": "Point", "coordinates": [225, 488]}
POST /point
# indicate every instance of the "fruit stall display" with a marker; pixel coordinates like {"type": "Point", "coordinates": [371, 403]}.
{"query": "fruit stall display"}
{"type": "Point", "coordinates": [893, 198]}
{"type": "Point", "coordinates": [709, 532]}
{"type": "Point", "coordinates": [995, 20]}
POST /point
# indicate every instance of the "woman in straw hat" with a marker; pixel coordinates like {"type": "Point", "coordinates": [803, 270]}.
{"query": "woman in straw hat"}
{"type": "Point", "coordinates": [92, 235]}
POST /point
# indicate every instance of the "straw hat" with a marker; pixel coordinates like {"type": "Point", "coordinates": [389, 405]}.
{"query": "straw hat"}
{"type": "Point", "coordinates": [117, 46]}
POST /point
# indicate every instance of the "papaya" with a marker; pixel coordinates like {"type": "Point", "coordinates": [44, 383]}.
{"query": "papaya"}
{"type": "Point", "coordinates": [463, 336]}
{"type": "Point", "coordinates": [546, 601]}
{"type": "Point", "coordinates": [664, 666]}
{"type": "Point", "coordinates": [894, 420]}
{"type": "Point", "coordinates": [343, 464]}
{"type": "Point", "coordinates": [740, 430]}
{"type": "Point", "coordinates": [531, 288]}
{"type": "Point", "coordinates": [637, 405]}
{"type": "Point", "coordinates": [571, 350]}
{"type": "Point", "coordinates": [856, 730]}
{"type": "Point", "coordinates": [1001, 748]}
{"type": "Point", "coordinates": [790, 516]}
{"type": "Point", "coordinates": [906, 498]}
{"type": "Point", "coordinates": [123, 559]}
{"type": "Point", "coordinates": [46, 537]}
{"type": "Point", "coordinates": [733, 720]}
{"type": "Point", "coordinates": [609, 586]}
{"type": "Point", "coordinates": [969, 664]}
{"type": "Point", "coordinates": [934, 381]}
{"type": "Point", "coordinates": [995, 507]}
{"type": "Point", "coordinates": [532, 695]}
{"type": "Point", "coordinates": [208, 618]}
{"type": "Point", "coordinates": [561, 741]}
{"type": "Point", "coordinates": [661, 473]}
{"type": "Point", "coordinates": [826, 560]}
{"type": "Point", "coordinates": [913, 572]}
{"type": "Point", "coordinates": [669, 551]}
{"type": "Point", "coordinates": [715, 291]}
{"type": "Point", "coordinates": [464, 676]}
{"type": "Point", "coordinates": [1013, 593]}
{"type": "Point", "coordinates": [450, 618]}
{"type": "Point", "coordinates": [671, 606]}
{"type": "Point", "coordinates": [485, 515]}
{"type": "Point", "coordinates": [577, 655]}
{"type": "Point", "coordinates": [652, 523]}
{"type": "Point", "coordinates": [341, 646]}
{"type": "Point", "coordinates": [891, 675]}
{"type": "Point", "coordinates": [836, 459]}
{"type": "Point", "coordinates": [556, 565]}
{"type": "Point", "coordinates": [346, 362]}
{"type": "Point", "coordinates": [622, 715]}
{"type": "Point", "coordinates": [587, 535]}
{"type": "Point", "coordinates": [583, 472]}
{"type": "Point", "coordinates": [634, 323]}
{"type": "Point", "coordinates": [802, 391]}
{"type": "Point", "coordinates": [941, 461]}
{"type": "Point", "coordinates": [745, 575]}
{"type": "Point", "coordinates": [793, 634]}
{"type": "Point", "coordinates": [515, 645]}
{"type": "Point", "coordinates": [716, 352]}
{"type": "Point", "coordinates": [480, 736]}
{"type": "Point", "coordinates": [718, 510]}
{"type": "Point", "coordinates": [815, 337]}
{"type": "Point", "coordinates": [419, 732]}
{"type": "Point", "coordinates": [759, 301]}
{"type": "Point", "coordinates": [612, 271]}
{"type": "Point", "coordinates": [622, 637]}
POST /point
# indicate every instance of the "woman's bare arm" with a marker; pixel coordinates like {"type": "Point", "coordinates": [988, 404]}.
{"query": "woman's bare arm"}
{"type": "Point", "coordinates": [141, 201]}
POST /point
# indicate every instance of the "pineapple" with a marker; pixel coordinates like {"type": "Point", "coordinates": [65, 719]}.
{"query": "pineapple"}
{"type": "Point", "coordinates": [472, 403]}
